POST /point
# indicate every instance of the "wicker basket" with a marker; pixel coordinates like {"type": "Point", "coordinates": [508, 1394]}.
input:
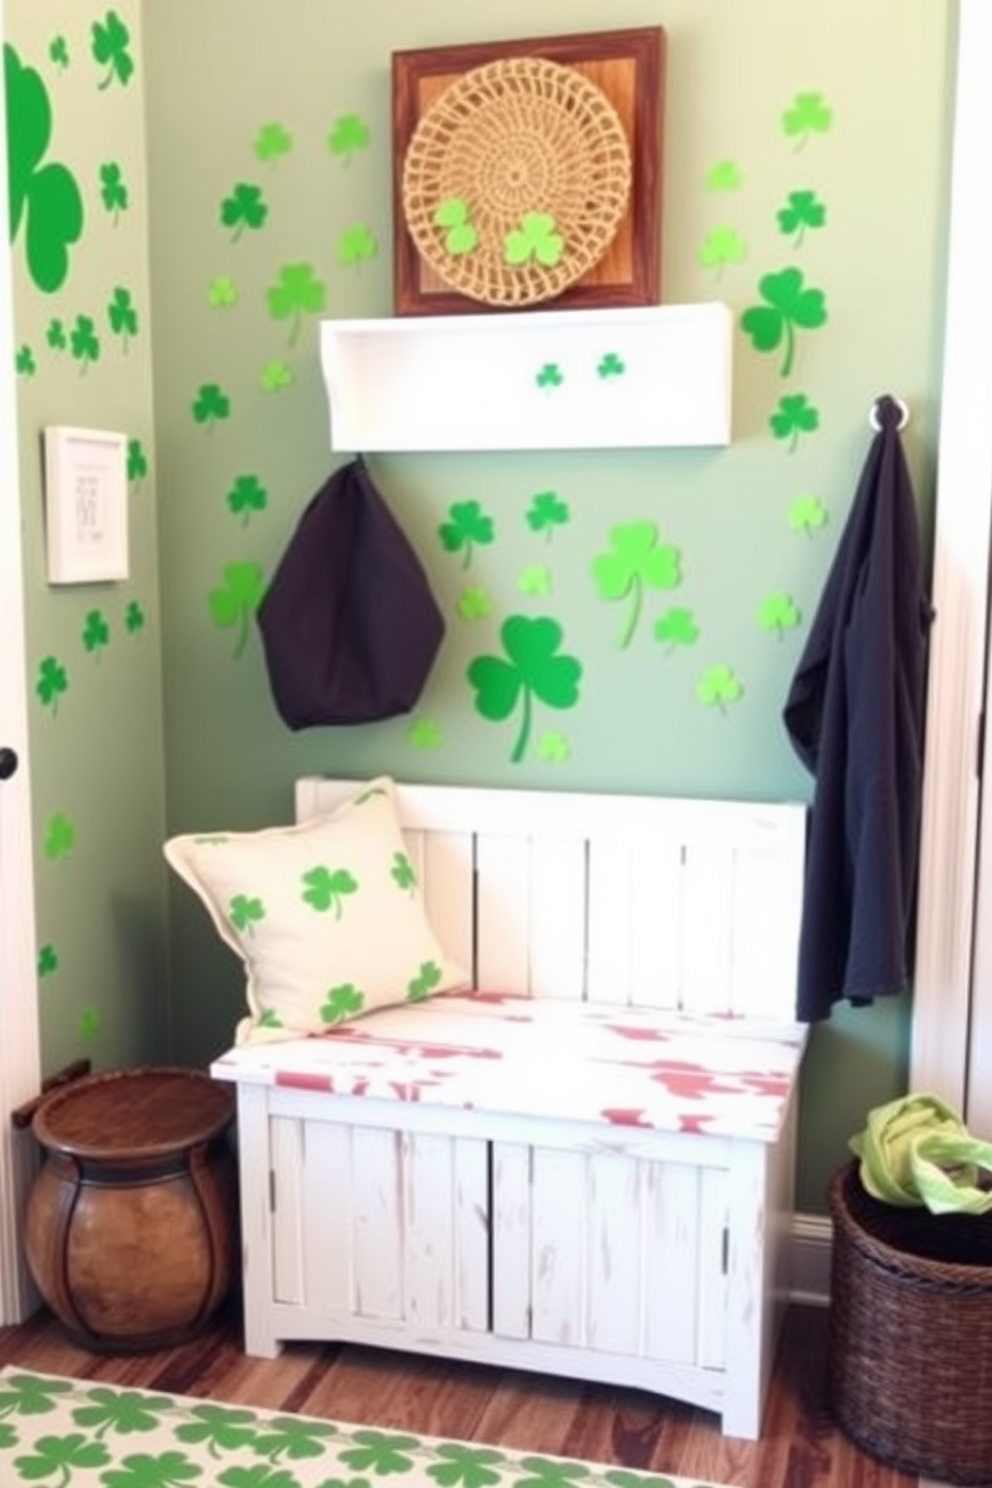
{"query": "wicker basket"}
{"type": "Point", "coordinates": [910, 1336]}
{"type": "Point", "coordinates": [518, 136]}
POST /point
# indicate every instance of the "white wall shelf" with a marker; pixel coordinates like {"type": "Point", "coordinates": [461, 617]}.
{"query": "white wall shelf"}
{"type": "Point", "coordinates": [647, 376]}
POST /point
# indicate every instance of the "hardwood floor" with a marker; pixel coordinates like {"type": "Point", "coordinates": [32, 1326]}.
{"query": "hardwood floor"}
{"type": "Point", "coordinates": [800, 1446]}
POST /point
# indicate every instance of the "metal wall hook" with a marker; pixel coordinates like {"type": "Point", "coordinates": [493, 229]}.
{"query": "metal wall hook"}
{"type": "Point", "coordinates": [875, 421]}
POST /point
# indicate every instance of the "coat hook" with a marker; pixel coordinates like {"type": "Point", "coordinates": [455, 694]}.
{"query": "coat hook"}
{"type": "Point", "coordinates": [873, 418]}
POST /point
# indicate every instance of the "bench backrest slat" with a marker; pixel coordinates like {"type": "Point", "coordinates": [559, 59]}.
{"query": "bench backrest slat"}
{"type": "Point", "coordinates": [672, 903]}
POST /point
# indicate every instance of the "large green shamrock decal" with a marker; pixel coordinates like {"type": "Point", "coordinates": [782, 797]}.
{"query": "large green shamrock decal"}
{"type": "Point", "coordinates": [467, 525]}
{"type": "Point", "coordinates": [534, 238]}
{"type": "Point", "coordinates": [531, 672]}
{"type": "Point", "coordinates": [326, 888]}
{"type": "Point", "coordinates": [110, 41]}
{"type": "Point", "coordinates": [237, 599]}
{"type": "Point", "coordinates": [789, 304]}
{"type": "Point", "coordinates": [298, 292]}
{"type": "Point", "coordinates": [636, 559]}
{"type": "Point", "coordinates": [44, 198]}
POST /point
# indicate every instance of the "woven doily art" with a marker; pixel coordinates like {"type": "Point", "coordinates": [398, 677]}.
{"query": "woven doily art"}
{"type": "Point", "coordinates": [516, 180]}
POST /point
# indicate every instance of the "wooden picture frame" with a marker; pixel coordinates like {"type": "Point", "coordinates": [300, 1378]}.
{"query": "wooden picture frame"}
{"type": "Point", "coordinates": [628, 66]}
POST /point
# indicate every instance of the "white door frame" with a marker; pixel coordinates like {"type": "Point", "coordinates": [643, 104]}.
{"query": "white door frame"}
{"type": "Point", "coordinates": [19, 1053]}
{"type": "Point", "coordinates": [948, 1015]}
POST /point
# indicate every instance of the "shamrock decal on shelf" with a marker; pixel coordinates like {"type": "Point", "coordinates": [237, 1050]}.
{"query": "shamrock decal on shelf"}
{"type": "Point", "coordinates": [610, 366]}
{"type": "Point", "coordinates": [550, 376]}
{"type": "Point", "coordinates": [530, 672]}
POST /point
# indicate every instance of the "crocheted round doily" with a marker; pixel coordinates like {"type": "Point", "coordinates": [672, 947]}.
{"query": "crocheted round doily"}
{"type": "Point", "coordinates": [516, 180]}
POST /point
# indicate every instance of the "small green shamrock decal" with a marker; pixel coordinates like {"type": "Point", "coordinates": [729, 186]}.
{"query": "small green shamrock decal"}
{"type": "Point", "coordinates": [467, 526]}
{"type": "Point", "coordinates": [610, 366]}
{"type": "Point", "coordinates": [298, 292]}
{"type": "Point", "coordinates": [52, 682]}
{"type": "Point", "coordinates": [58, 52]}
{"type": "Point", "coordinates": [55, 335]}
{"type": "Point", "coordinates": [235, 602]}
{"type": "Point", "coordinates": [48, 960]}
{"type": "Point", "coordinates": [60, 837]}
{"type": "Point", "coordinates": [778, 612]}
{"type": "Point", "coordinates": [475, 603]}
{"type": "Point", "coordinates": [110, 42]}
{"type": "Point", "coordinates": [723, 175]}
{"type": "Point", "coordinates": [113, 190]}
{"type": "Point", "coordinates": [402, 871]}
{"type": "Point", "coordinates": [122, 316]}
{"type": "Point", "coordinates": [535, 238]}
{"type": "Point", "coordinates": [721, 247]}
{"type": "Point", "coordinates": [275, 376]}
{"type": "Point", "coordinates": [24, 362]}
{"type": "Point", "coordinates": [529, 673]}
{"type": "Point", "coordinates": [534, 579]}
{"type": "Point", "coordinates": [424, 733]}
{"type": "Point", "coordinates": [546, 512]}
{"type": "Point", "coordinates": [96, 632]}
{"type": "Point", "coordinates": [88, 1026]}
{"type": "Point", "coordinates": [550, 376]}
{"type": "Point", "coordinates": [222, 292]}
{"type": "Point", "coordinates": [246, 496]}
{"type": "Point", "coordinates": [553, 747]}
{"type": "Point", "coordinates": [676, 627]}
{"type": "Point", "coordinates": [137, 462]}
{"type": "Point", "coordinates": [806, 116]}
{"type": "Point", "coordinates": [719, 687]}
{"type": "Point", "coordinates": [453, 214]}
{"type": "Point", "coordinates": [803, 211]}
{"type": "Point", "coordinates": [635, 560]}
{"type": "Point", "coordinates": [134, 617]}
{"type": "Point", "coordinates": [84, 344]}
{"type": "Point", "coordinates": [789, 304]}
{"type": "Point", "coordinates": [246, 207]}
{"type": "Point", "coordinates": [341, 1003]}
{"type": "Point", "coordinates": [327, 888]}
{"type": "Point", "coordinates": [806, 514]}
{"type": "Point", "coordinates": [211, 405]}
{"type": "Point", "coordinates": [44, 198]}
{"type": "Point", "coordinates": [348, 134]}
{"type": "Point", "coordinates": [271, 141]}
{"type": "Point", "coordinates": [356, 245]}
{"type": "Point", "coordinates": [794, 416]}
{"type": "Point", "coordinates": [428, 978]}
{"type": "Point", "coordinates": [245, 912]}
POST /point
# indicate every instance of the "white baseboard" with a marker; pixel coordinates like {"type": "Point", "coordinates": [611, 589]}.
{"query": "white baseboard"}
{"type": "Point", "coordinates": [811, 1237]}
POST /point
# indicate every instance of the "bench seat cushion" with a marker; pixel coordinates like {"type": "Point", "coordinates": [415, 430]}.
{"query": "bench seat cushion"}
{"type": "Point", "coordinates": [670, 1071]}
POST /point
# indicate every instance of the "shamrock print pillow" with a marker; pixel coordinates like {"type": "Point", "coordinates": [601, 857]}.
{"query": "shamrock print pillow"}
{"type": "Point", "coordinates": [325, 914]}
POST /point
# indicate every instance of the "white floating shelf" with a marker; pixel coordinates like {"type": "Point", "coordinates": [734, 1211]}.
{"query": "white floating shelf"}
{"type": "Point", "coordinates": [549, 379]}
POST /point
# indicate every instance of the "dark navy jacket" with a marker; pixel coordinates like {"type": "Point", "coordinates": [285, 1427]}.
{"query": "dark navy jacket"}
{"type": "Point", "coordinates": [854, 714]}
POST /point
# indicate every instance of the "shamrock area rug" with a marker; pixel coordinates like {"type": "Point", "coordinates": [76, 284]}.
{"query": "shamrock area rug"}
{"type": "Point", "coordinates": [64, 1433]}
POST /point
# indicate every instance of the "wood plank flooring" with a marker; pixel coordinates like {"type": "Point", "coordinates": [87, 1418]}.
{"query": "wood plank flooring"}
{"type": "Point", "coordinates": [800, 1445]}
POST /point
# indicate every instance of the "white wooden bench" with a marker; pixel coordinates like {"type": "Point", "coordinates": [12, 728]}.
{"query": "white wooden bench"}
{"type": "Point", "coordinates": [586, 1170]}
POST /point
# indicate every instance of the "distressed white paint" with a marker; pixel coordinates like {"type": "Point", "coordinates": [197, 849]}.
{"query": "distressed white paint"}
{"type": "Point", "coordinates": [637, 1256]}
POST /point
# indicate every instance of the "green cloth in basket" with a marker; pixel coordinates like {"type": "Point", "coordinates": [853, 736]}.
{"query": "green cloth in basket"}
{"type": "Point", "coordinates": [916, 1151]}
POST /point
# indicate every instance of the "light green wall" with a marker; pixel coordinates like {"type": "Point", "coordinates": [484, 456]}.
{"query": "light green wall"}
{"type": "Point", "coordinates": [93, 650]}
{"type": "Point", "coordinates": [213, 73]}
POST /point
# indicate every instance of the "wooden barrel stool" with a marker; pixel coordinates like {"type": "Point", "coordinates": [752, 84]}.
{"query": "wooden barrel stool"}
{"type": "Point", "coordinates": [130, 1230]}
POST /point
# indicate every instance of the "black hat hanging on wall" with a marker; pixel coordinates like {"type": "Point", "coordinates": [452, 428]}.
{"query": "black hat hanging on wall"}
{"type": "Point", "coordinates": [350, 628]}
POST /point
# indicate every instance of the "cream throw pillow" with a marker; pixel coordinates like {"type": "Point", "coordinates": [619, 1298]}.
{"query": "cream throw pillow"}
{"type": "Point", "coordinates": [326, 916]}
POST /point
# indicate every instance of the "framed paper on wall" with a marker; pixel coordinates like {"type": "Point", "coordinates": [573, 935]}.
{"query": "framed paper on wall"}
{"type": "Point", "coordinates": [628, 67]}
{"type": "Point", "coordinates": [85, 505]}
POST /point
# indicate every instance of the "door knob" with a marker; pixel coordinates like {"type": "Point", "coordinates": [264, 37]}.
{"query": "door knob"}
{"type": "Point", "coordinates": [8, 762]}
